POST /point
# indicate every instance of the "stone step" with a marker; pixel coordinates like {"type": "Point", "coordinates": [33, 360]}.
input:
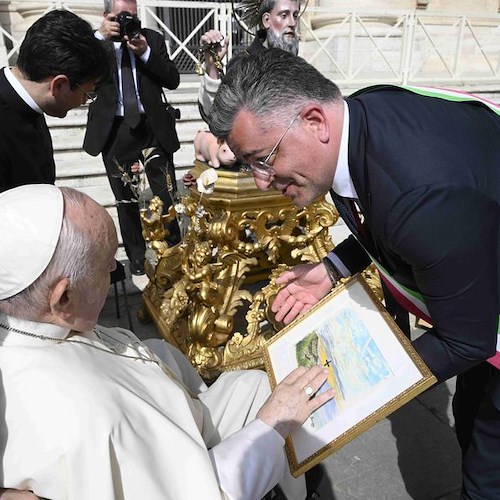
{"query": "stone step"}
{"type": "Point", "coordinates": [74, 162]}
{"type": "Point", "coordinates": [75, 168]}
{"type": "Point", "coordinates": [78, 117]}
{"type": "Point", "coordinates": [71, 164]}
{"type": "Point", "coordinates": [71, 137]}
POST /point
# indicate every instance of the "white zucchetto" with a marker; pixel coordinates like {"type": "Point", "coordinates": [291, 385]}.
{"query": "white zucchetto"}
{"type": "Point", "coordinates": [30, 223]}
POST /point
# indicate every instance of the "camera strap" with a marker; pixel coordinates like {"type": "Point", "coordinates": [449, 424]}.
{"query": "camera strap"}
{"type": "Point", "coordinates": [168, 106]}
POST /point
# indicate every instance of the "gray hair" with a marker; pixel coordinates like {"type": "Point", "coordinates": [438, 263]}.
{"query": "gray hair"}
{"type": "Point", "coordinates": [72, 259]}
{"type": "Point", "coordinates": [272, 85]}
{"type": "Point", "coordinates": [109, 4]}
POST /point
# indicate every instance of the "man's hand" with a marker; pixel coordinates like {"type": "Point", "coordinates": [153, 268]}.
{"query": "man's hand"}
{"type": "Point", "coordinates": [109, 27]}
{"type": "Point", "coordinates": [17, 495]}
{"type": "Point", "coordinates": [137, 45]}
{"type": "Point", "coordinates": [289, 405]}
{"type": "Point", "coordinates": [213, 37]}
{"type": "Point", "coordinates": [306, 284]}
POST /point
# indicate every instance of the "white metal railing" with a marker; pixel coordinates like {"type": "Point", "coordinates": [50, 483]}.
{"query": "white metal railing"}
{"type": "Point", "coordinates": [403, 47]}
{"type": "Point", "coordinates": [351, 48]}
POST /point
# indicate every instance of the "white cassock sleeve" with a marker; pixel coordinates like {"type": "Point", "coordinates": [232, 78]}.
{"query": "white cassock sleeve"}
{"type": "Point", "coordinates": [248, 455]}
{"type": "Point", "coordinates": [206, 92]}
{"type": "Point", "coordinates": [250, 462]}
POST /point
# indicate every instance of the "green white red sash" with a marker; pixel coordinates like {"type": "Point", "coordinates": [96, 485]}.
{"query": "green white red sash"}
{"type": "Point", "coordinates": [414, 303]}
{"type": "Point", "coordinates": [411, 300]}
{"type": "Point", "coordinates": [451, 95]}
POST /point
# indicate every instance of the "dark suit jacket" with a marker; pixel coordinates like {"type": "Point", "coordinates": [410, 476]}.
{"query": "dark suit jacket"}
{"type": "Point", "coordinates": [26, 154]}
{"type": "Point", "coordinates": [158, 72]}
{"type": "Point", "coordinates": [427, 172]}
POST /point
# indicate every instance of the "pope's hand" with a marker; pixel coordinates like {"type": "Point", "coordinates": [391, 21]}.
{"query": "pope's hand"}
{"type": "Point", "coordinates": [291, 403]}
{"type": "Point", "coordinates": [306, 284]}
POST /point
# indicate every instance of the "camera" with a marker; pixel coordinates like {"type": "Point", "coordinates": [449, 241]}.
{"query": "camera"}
{"type": "Point", "coordinates": [175, 113]}
{"type": "Point", "coordinates": [130, 25]}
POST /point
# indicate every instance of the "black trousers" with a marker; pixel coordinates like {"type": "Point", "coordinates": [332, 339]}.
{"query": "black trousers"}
{"type": "Point", "coordinates": [476, 407]}
{"type": "Point", "coordinates": [124, 147]}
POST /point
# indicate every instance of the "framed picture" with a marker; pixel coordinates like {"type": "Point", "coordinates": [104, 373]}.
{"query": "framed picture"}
{"type": "Point", "coordinates": [373, 369]}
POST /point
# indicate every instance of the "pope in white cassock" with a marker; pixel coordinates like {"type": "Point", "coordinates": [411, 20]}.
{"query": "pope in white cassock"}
{"type": "Point", "coordinates": [92, 413]}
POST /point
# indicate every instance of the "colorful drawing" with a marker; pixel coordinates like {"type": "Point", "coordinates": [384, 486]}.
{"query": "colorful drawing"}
{"type": "Point", "coordinates": [372, 367]}
{"type": "Point", "coordinates": [343, 344]}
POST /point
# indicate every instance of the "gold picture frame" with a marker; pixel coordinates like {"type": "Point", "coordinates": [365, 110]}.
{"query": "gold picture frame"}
{"type": "Point", "coordinates": [373, 368]}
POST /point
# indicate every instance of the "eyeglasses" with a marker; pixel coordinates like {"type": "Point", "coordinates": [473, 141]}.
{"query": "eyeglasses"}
{"type": "Point", "coordinates": [90, 95]}
{"type": "Point", "coordinates": [261, 168]}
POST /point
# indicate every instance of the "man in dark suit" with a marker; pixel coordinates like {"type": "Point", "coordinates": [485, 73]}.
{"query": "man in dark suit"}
{"type": "Point", "coordinates": [121, 131]}
{"type": "Point", "coordinates": [59, 63]}
{"type": "Point", "coordinates": [422, 170]}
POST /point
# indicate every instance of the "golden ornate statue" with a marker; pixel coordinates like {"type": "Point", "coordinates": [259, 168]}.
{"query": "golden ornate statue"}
{"type": "Point", "coordinates": [236, 236]}
{"type": "Point", "coordinates": [201, 289]}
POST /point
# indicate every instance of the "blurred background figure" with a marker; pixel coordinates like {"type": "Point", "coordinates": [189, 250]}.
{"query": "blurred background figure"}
{"type": "Point", "coordinates": [131, 115]}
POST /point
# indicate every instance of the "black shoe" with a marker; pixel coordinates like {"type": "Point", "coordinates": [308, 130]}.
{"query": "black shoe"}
{"type": "Point", "coordinates": [313, 480]}
{"type": "Point", "coordinates": [137, 267]}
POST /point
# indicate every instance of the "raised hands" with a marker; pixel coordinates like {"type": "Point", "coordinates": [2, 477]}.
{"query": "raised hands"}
{"type": "Point", "coordinates": [110, 29]}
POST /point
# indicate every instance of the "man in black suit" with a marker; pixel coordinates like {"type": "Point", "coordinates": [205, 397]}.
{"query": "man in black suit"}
{"type": "Point", "coordinates": [121, 131]}
{"type": "Point", "coordinates": [422, 170]}
{"type": "Point", "coordinates": [59, 63]}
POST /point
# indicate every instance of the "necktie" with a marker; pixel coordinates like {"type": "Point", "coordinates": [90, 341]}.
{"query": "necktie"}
{"type": "Point", "coordinates": [348, 211]}
{"type": "Point", "coordinates": [131, 113]}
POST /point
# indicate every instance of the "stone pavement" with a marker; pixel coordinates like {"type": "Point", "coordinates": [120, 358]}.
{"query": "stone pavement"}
{"type": "Point", "coordinates": [412, 454]}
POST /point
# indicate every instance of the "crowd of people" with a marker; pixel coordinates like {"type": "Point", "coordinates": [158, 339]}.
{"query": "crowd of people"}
{"type": "Point", "coordinates": [93, 412]}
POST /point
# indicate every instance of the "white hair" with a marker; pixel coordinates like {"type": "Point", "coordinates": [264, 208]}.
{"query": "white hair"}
{"type": "Point", "coordinates": [72, 259]}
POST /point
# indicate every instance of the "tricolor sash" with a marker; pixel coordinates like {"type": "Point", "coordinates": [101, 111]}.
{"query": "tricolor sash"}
{"type": "Point", "coordinates": [414, 303]}
{"type": "Point", "coordinates": [411, 300]}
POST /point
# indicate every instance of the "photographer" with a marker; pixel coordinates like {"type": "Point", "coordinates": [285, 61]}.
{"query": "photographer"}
{"type": "Point", "coordinates": [129, 116]}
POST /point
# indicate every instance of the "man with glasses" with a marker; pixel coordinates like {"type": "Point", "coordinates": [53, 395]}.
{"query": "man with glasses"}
{"type": "Point", "coordinates": [414, 174]}
{"type": "Point", "coordinates": [59, 63]}
{"type": "Point", "coordinates": [130, 116]}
